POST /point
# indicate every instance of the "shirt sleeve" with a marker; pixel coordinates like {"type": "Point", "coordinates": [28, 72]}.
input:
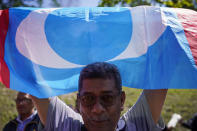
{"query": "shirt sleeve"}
{"type": "Point", "coordinates": [141, 116]}
{"type": "Point", "coordinates": [61, 117]}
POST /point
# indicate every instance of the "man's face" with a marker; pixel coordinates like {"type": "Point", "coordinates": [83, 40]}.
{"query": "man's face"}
{"type": "Point", "coordinates": [24, 104]}
{"type": "Point", "coordinates": [100, 104]}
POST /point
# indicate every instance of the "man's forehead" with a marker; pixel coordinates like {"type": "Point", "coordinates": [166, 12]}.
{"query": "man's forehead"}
{"type": "Point", "coordinates": [101, 92]}
{"type": "Point", "coordinates": [98, 86]}
{"type": "Point", "coordinates": [95, 82]}
{"type": "Point", "coordinates": [22, 95]}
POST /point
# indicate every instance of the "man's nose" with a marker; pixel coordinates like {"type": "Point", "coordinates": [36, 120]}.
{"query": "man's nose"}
{"type": "Point", "coordinates": [98, 108]}
{"type": "Point", "coordinates": [20, 103]}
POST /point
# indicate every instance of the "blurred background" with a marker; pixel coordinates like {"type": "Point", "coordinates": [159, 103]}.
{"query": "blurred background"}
{"type": "Point", "coordinates": [190, 4]}
{"type": "Point", "coordinates": [183, 102]}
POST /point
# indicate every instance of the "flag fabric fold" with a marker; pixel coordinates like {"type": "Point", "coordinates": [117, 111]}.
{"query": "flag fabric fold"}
{"type": "Point", "coordinates": [42, 50]}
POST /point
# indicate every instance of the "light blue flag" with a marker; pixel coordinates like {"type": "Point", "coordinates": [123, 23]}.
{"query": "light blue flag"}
{"type": "Point", "coordinates": [44, 49]}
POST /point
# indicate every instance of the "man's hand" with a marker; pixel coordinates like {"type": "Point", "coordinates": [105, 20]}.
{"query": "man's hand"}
{"type": "Point", "coordinates": [156, 100]}
{"type": "Point", "coordinates": [42, 107]}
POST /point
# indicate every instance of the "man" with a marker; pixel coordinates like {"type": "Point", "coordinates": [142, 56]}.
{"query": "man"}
{"type": "Point", "coordinates": [100, 101]}
{"type": "Point", "coordinates": [27, 119]}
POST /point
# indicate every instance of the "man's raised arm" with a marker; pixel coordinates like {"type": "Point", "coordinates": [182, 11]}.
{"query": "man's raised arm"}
{"type": "Point", "coordinates": [42, 107]}
{"type": "Point", "coordinates": [155, 99]}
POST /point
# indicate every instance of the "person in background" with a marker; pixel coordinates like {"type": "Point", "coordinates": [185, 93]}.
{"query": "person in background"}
{"type": "Point", "coordinates": [27, 119]}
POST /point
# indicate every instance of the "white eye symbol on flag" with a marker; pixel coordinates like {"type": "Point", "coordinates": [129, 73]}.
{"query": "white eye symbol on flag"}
{"type": "Point", "coordinates": [147, 28]}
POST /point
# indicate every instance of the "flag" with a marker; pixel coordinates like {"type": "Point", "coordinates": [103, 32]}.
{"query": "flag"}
{"type": "Point", "coordinates": [44, 49]}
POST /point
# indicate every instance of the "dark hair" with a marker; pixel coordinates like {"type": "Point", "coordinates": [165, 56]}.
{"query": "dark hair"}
{"type": "Point", "coordinates": [101, 70]}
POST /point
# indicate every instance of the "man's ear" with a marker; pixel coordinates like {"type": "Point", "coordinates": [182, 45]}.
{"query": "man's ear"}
{"type": "Point", "coordinates": [77, 96]}
{"type": "Point", "coordinates": [77, 104]}
{"type": "Point", "coordinates": [123, 97]}
{"type": "Point", "coordinates": [77, 100]}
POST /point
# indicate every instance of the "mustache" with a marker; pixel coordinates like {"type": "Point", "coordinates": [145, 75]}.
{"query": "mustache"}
{"type": "Point", "coordinates": [99, 118]}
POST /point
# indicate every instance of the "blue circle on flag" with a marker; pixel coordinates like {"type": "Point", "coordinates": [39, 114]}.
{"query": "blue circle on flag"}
{"type": "Point", "coordinates": [86, 35]}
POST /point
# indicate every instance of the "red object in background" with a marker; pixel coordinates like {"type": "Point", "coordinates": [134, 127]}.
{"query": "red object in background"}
{"type": "Point", "coordinates": [4, 21]}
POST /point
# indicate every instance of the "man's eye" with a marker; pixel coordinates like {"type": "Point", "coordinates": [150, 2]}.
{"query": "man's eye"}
{"type": "Point", "coordinates": [107, 98]}
{"type": "Point", "coordinates": [87, 99]}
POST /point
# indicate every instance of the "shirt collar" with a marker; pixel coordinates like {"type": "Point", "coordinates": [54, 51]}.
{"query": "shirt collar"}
{"type": "Point", "coordinates": [29, 118]}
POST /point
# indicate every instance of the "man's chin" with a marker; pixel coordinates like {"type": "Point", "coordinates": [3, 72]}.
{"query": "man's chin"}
{"type": "Point", "coordinates": [99, 126]}
{"type": "Point", "coordinates": [99, 129]}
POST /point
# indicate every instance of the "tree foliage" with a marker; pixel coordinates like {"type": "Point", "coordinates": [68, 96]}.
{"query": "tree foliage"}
{"type": "Point", "coordinates": [131, 3]}
{"type": "Point", "coordinates": [4, 4]}
{"type": "Point", "coordinates": [190, 4]}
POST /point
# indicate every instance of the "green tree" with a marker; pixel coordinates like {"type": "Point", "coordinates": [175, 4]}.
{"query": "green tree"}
{"type": "Point", "coordinates": [190, 4]}
{"type": "Point", "coordinates": [4, 4]}
{"type": "Point", "coordinates": [131, 3]}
